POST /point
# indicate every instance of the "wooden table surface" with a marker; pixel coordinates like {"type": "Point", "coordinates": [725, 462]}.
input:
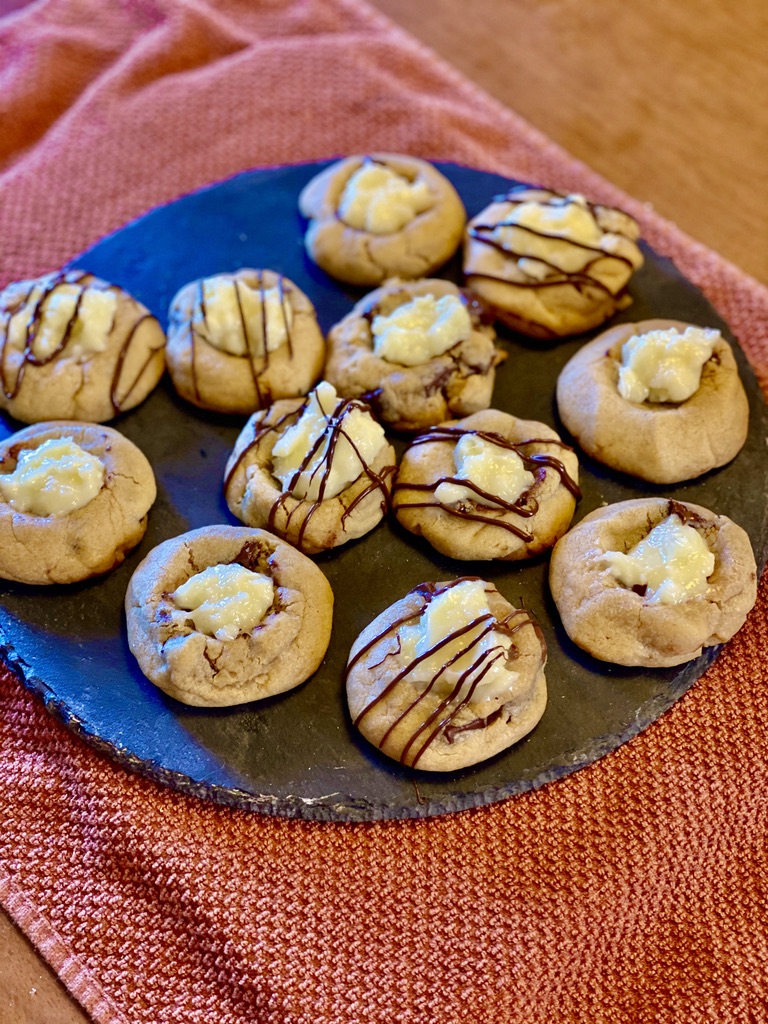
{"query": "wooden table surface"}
{"type": "Point", "coordinates": [667, 100]}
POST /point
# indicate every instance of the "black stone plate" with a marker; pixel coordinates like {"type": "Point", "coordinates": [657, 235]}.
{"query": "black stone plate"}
{"type": "Point", "coordinates": [297, 755]}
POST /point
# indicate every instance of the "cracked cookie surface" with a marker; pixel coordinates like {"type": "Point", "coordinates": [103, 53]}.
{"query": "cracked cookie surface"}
{"type": "Point", "coordinates": [75, 347]}
{"type": "Point", "coordinates": [230, 363]}
{"type": "Point", "coordinates": [278, 654]}
{"type": "Point", "coordinates": [659, 442]}
{"type": "Point", "coordinates": [470, 527]}
{"type": "Point", "coordinates": [455, 383]}
{"type": "Point", "coordinates": [92, 539]}
{"type": "Point", "coordinates": [617, 623]}
{"type": "Point", "coordinates": [359, 256]}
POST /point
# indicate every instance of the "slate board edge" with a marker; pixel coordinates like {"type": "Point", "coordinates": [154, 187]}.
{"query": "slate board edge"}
{"type": "Point", "coordinates": [350, 810]}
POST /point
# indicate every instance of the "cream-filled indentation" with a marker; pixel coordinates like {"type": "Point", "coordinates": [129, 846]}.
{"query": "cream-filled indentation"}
{"type": "Point", "coordinates": [327, 448]}
{"type": "Point", "coordinates": [673, 563]}
{"type": "Point", "coordinates": [242, 320]}
{"type": "Point", "coordinates": [665, 365]}
{"type": "Point", "coordinates": [421, 329]}
{"type": "Point", "coordinates": [495, 471]}
{"type": "Point", "coordinates": [69, 316]}
{"type": "Point", "coordinates": [225, 600]}
{"type": "Point", "coordinates": [561, 232]}
{"type": "Point", "coordinates": [54, 479]}
{"type": "Point", "coordinates": [379, 200]}
{"type": "Point", "coordinates": [450, 658]}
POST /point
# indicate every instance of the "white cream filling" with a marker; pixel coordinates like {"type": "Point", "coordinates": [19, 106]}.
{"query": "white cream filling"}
{"type": "Point", "coordinates": [224, 323]}
{"type": "Point", "coordinates": [563, 220]}
{"type": "Point", "coordinates": [300, 456]}
{"type": "Point", "coordinates": [673, 562]}
{"type": "Point", "coordinates": [421, 329]}
{"type": "Point", "coordinates": [90, 330]}
{"type": "Point", "coordinates": [476, 650]}
{"type": "Point", "coordinates": [495, 470]}
{"type": "Point", "coordinates": [53, 479]}
{"type": "Point", "coordinates": [379, 200]}
{"type": "Point", "coordinates": [225, 600]}
{"type": "Point", "coordinates": [665, 365]}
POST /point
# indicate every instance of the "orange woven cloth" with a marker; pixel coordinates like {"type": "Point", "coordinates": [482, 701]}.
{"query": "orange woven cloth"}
{"type": "Point", "coordinates": [633, 891]}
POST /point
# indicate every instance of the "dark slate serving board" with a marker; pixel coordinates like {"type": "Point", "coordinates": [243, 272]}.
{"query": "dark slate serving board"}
{"type": "Point", "coordinates": [297, 755]}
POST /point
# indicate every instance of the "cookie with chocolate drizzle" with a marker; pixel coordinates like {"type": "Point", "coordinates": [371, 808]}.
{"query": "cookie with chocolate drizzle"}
{"type": "Point", "coordinates": [75, 347]}
{"type": "Point", "coordinates": [616, 619]}
{"type": "Point", "coordinates": [200, 665]}
{"type": "Point", "coordinates": [549, 264]}
{"type": "Point", "coordinates": [237, 342]}
{"type": "Point", "coordinates": [410, 392]}
{"type": "Point", "coordinates": [74, 500]}
{"type": "Point", "coordinates": [317, 471]}
{"type": "Point", "coordinates": [448, 676]}
{"type": "Point", "coordinates": [490, 486]}
{"type": "Point", "coordinates": [376, 216]}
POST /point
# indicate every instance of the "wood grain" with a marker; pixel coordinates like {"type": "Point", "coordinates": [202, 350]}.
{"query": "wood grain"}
{"type": "Point", "coordinates": [667, 100]}
{"type": "Point", "coordinates": [30, 992]}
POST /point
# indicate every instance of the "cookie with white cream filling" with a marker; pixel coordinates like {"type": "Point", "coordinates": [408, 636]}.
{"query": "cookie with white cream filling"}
{"type": "Point", "coordinates": [490, 486]}
{"type": "Point", "coordinates": [75, 347]}
{"type": "Point", "coordinates": [632, 588]}
{"type": "Point", "coordinates": [74, 500]}
{"type": "Point", "coordinates": [418, 351]}
{"type": "Point", "coordinates": [550, 264]}
{"type": "Point", "coordinates": [224, 615]}
{"type": "Point", "coordinates": [659, 399]}
{"type": "Point", "coordinates": [447, 676]}
{"type": "Point", "coordinates": [377, 216]}
{"type": "Point", "coordinates": [316, 471]}
{"type": "Point", "coordinates": [238, 342]}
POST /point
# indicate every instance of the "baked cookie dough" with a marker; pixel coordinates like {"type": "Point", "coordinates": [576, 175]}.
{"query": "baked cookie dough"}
{"type": "Point", "coordinates": [317, 471]}
{"type": "Point", "coordinates": [661, 604]}
{"type": "Point", "coordinates": [448, 676]}
{"type": "Point", "coordinates": [217, 354]}
{"type": "Point", "coordinates": [379, 216]}
{"type": "Point", "coordinates": [75, 347]}
{"type": "Point", "coordinates": [74, 499]}
{"type": "Point", "coordinates": [655, 438]}
{"type": "Point", "coordinates": [549, 264]}
{"type": "Point", "coordinates": [488, 486]}
{"type": "Point", "coordinates": [197, 638]}
{"type": "Point", "coordinates": [391, 351]}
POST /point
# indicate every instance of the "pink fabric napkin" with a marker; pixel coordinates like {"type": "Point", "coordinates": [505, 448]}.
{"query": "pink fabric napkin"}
{"type": "Point", "coordinates": [633, 891]}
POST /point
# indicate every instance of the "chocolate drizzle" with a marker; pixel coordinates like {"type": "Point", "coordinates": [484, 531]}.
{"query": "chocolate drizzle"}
{"type": "Point", "coordinates": [33, 326]}
{"type": "Point", "coordinates": [334, 430]}
{"type": "Point", "coordinates": [258, 361]}
{"type": "Point", "coordinates": [440, 720]}
{"type": "Point", "coordinates": [525, 506]}
{"type": "Point", "coordinates": [581, 280]}
{"type": "Point", "coordinates": [118, 403]}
